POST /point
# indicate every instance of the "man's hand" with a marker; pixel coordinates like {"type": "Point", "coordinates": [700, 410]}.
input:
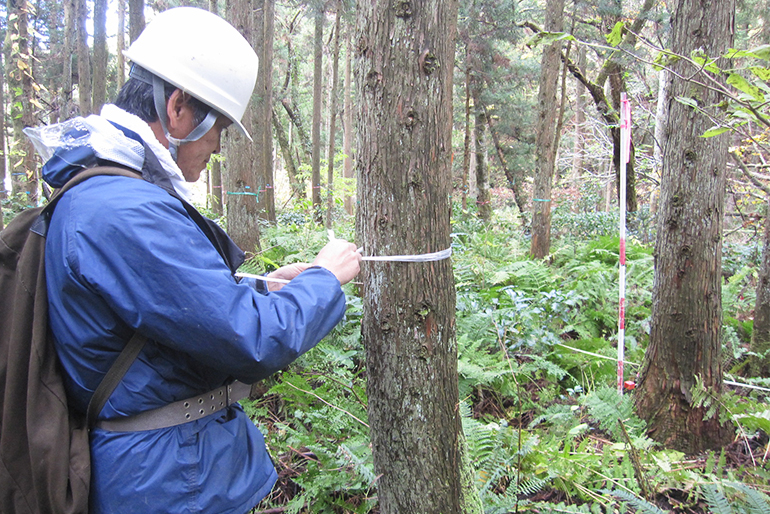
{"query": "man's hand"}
{"type": "Point", "coordinates": [287, 272]}
{"type": "Point", "coordinates": [341, 258]}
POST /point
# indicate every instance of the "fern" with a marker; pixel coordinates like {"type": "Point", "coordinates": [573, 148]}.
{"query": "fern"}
{"type": "Point", "coordinates": [642, 505]}
{"type": "Point", "coordinates": [758, 502]}
{"type": "Point", "coordinates": [716, 499]}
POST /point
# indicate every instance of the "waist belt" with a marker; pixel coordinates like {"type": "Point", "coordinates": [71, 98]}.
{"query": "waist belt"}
{"type": "Point", "coordinates": [179, 412]}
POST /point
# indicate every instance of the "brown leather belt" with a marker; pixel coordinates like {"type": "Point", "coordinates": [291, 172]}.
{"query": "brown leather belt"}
{"type": "Point", "coordinates": [179, 412]}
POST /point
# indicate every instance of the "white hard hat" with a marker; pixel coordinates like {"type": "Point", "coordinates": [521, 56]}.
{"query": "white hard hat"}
{"type": "Point", "coordinates": [202, 55]}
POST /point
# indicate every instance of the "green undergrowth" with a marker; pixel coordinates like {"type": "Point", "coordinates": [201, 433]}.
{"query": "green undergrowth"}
{"type": "Point", "coordinates": [546, 428]}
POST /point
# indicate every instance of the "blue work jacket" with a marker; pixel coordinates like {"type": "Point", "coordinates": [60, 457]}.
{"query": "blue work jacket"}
{"type": "Point", "coordinates": [123, 255]}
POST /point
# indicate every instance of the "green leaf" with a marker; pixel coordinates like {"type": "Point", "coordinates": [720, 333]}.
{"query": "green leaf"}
{"type": "Point", "coordinates": [760, 72]}
{"type": "Point", "coordinates": [691, 102]}
{"type": "Point", "coordinates": [740, 83]}
{"type": "Point", "coordinates": [715, 131]}
{"type": "Point", "coordinates": [547, 38]}
{"type": "Point", "coordinates": [616, 36]}
{"type": "Point", "coordinates": [761, 52]}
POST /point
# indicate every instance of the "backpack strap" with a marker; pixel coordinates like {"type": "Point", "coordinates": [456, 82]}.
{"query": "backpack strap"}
{"type": "Point", "coordinates": [113, 377]}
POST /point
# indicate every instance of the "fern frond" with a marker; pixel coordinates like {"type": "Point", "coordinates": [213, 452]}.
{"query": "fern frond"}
{"type": "Point", "coordinates": [642, 505]}
{"type": "Point", "coordinates": [716, 499]}
{"type": "Point", "coordinates": [758, 501]}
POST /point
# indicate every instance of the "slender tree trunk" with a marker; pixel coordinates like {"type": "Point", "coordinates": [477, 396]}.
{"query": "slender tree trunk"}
{"type": "Point", "coordinates": [404, 78]}
{"type": "Point", "coordinates": [483, 197]}
{"type": "Point", "coordinates": [3, 138]}
{"type": "Point", "coordinates": [661, 112]}
{"type": "Point", "coordinates": [84, 60]}
{"type": "Point", "coordinates": [685, 335]}
{"type": "Point", "coordinates": [333, 117]}
{"type": "Point", "coordinates": [121, 42]}
{"type": "Point", "coordinates": [215, 167]}
{"type": "Point", "coordinates": [347, 141]}
{"type": "Point", "coordinates": [135, 19]}
{"type": "Point", "coordinates": [264, 21]}
{"type": "Point", "coordinates": [67, 109]}
{"type": "Point", "coordinates": [759, 366]}
{"type": "Point", "coordinates": [19, 72]}
{"type": "Point", "coordinates": [467, 139]}
{"type": "Point", "coordinates": [545, 151]}
{"type": "Point", "coordinates": [100, 54]}
{"type": "Point", "coordinates": [297, 187]}
{"type": "Point", "coordinates": [318, 51]}
{"type": "Point", "coordinates": [296, 119]}
{"type": "Point", "coordinates": [241, 164]}
{"type": "Point", "coordinates": [580, 119]}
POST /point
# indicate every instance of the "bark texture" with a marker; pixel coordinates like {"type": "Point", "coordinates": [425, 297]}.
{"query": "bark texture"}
{"type": "Point", "coordinates": [545, 138]}
{"type": "Point", "coordinates": [685, 337]}
{"type": "Point", "coordinates": [405, 58]}
{"type": "Point", "coordinates": [760, 337]}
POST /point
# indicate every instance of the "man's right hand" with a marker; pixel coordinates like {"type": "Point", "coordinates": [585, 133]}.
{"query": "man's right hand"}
{"type": "Point", "coordinates": [341, 258]}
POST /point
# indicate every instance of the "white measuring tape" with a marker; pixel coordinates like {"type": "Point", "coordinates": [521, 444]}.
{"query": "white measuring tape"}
{"type": "Point", "coordinates": [422, 257]}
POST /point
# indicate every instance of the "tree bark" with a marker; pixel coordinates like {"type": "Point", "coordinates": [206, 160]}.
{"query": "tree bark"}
{"type": "Point", "coordinates": [685, 335]}
{"type": "Point", "coordinates": [215, 167]}
{"type": "Point", "coordinates": [580, 119]}
{"type": "Point", "coordinates": [297, 187]}
{"type": "Point", "coordinates": [759, 365]}
{"type": "Point", "coordinates": [347, 120]}
{"type": "Point", "coordinates": [483, 197]}
{"type": "Point", "coordinates": [100, 55]}
{"type": "Point", "coordinates": [67, 109]}
{"type": "Point", "coordinates": [24, 172]}
{"type": "Point", "coordinates": [404, 79]}
{"type": "Point", "coordinates": [264, 21]}
{"type": "Point", "coordinates": [467, 130]}
{"type": "Point", "coordinates": [84, 59]}
{"type": "Point", "coordinates": [121, 41]}
{"type": "Point", "coordinates": [317, 104]}
{"type": "Point", "coordinates": [333, 117]}
{"type": "Point", "coordinates": [241, 166]}
{"type": "Point", "coordinates": [545, 147]}
{"type": "Point", "coordinates": [135, 19]}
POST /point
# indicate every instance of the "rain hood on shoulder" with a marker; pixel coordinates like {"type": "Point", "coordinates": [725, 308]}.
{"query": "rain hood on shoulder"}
{"type": "Point", "coordinates": [115, 136]}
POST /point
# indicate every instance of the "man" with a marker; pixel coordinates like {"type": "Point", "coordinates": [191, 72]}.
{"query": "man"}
{"type": "Point", "coordinates": [125, 255]}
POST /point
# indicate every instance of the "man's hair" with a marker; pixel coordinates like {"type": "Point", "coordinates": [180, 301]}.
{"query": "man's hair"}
{"type": "Point", "coordinates": [136, 97]}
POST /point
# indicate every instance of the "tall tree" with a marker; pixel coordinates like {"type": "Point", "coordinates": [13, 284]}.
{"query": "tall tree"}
{"type": "Point", "coordinates": [100, 54]}
{"type": "Point", "coordinates": [135, 19]}
{"type": "Point", "coordinates": [215, 166]}
{"type": "Point", "coordinates": [24, 179]}
{"type": "Point", "coordinates": [347, 116]}
{"type": "Point", "coordinates": [264, 21]}
{"type": "Point", "coordinates": [121, 42]}
{"type": "Point", "coordinates": [333, 117]}
{"type": "Point", "coordinates": [404, 80]}
{"type": "Point", "coordinates": [84, 59]}
{"type": "Point", "coordinates": [318, 51]}
{"type": "Point", "coordinates": [545, 147]}
{"type": "Point", "coordinates": [685, 334]}
{"type": "Point", "coordinates": [241, 165]}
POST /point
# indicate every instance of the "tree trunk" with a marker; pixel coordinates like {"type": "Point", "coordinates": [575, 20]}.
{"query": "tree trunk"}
{"type": "Point", "coordinates": [121, 41]}
{"type": "Point", "coordinates": [100, 55]}
{"type": "Point", "coordinates": [685, 335]}
{"type": "Point", "coordinates": [241, 165]}
{"type": "Point", "coordinates": [347, 120]}
{"type": "Point", "coordinates": [318, 51]}
{"type": "Point", "coordinates": [67, 109]}
{"type": "Point", "coordinates": [215, 167]}
{"type": "Point", "coordinates": [759, 366]}
{"type": "Point", "coordinates": [404, 76]}
{"type": "Point", "coordinates": [3, 138]}
{"type": "Point", "coordinates": [580, 119]}
{"type": "Point", "coordinates": [545, 148]}
{"type": "Point", "coordinates": [135, 19]}
{"type": "Point", "coordinates": [24, 178]}
{"type": "Point", "coordinates": [264, 21]}
{"type": "Point", "coordinates": [660, 120]}
{"type": "Point", "coordinates": [333, 117]}
{"type": "Point", "coordinates": [483, 202]}
{"type": "Point", "coordinates": [84, 60]}
{"type": "Point", "coordinates": [467, 138]}
{"type": "Point", "coordinates": [297, 187]}
{"type": "Point", "coordinates": [296, 119]}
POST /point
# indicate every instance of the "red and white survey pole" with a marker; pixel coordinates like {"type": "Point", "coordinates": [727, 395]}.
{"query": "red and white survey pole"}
{"type": "Point", "coordinates": [625, 156]}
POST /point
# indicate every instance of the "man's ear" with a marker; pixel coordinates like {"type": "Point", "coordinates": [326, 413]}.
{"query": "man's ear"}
{"type": "Point", "coordinates": [177, 110]}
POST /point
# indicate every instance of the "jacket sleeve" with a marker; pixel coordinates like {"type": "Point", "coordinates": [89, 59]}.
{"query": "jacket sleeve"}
{"type": "Point", "coordinates": [159, 273]}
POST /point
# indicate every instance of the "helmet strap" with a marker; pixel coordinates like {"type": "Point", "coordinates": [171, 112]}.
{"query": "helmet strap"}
{"type": "Point", "coordinates": [198, 132]}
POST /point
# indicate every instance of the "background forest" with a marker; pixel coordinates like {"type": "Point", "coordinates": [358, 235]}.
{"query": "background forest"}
{"type": "Point", "coordinates": [535, 163]}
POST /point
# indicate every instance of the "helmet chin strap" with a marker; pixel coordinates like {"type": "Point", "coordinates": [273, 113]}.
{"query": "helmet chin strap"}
{"type": "Point", "coordinates": [160, 107]}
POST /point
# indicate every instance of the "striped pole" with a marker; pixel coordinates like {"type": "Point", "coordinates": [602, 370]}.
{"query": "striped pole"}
{"type": "Point", "coordinates": [625, 155]}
